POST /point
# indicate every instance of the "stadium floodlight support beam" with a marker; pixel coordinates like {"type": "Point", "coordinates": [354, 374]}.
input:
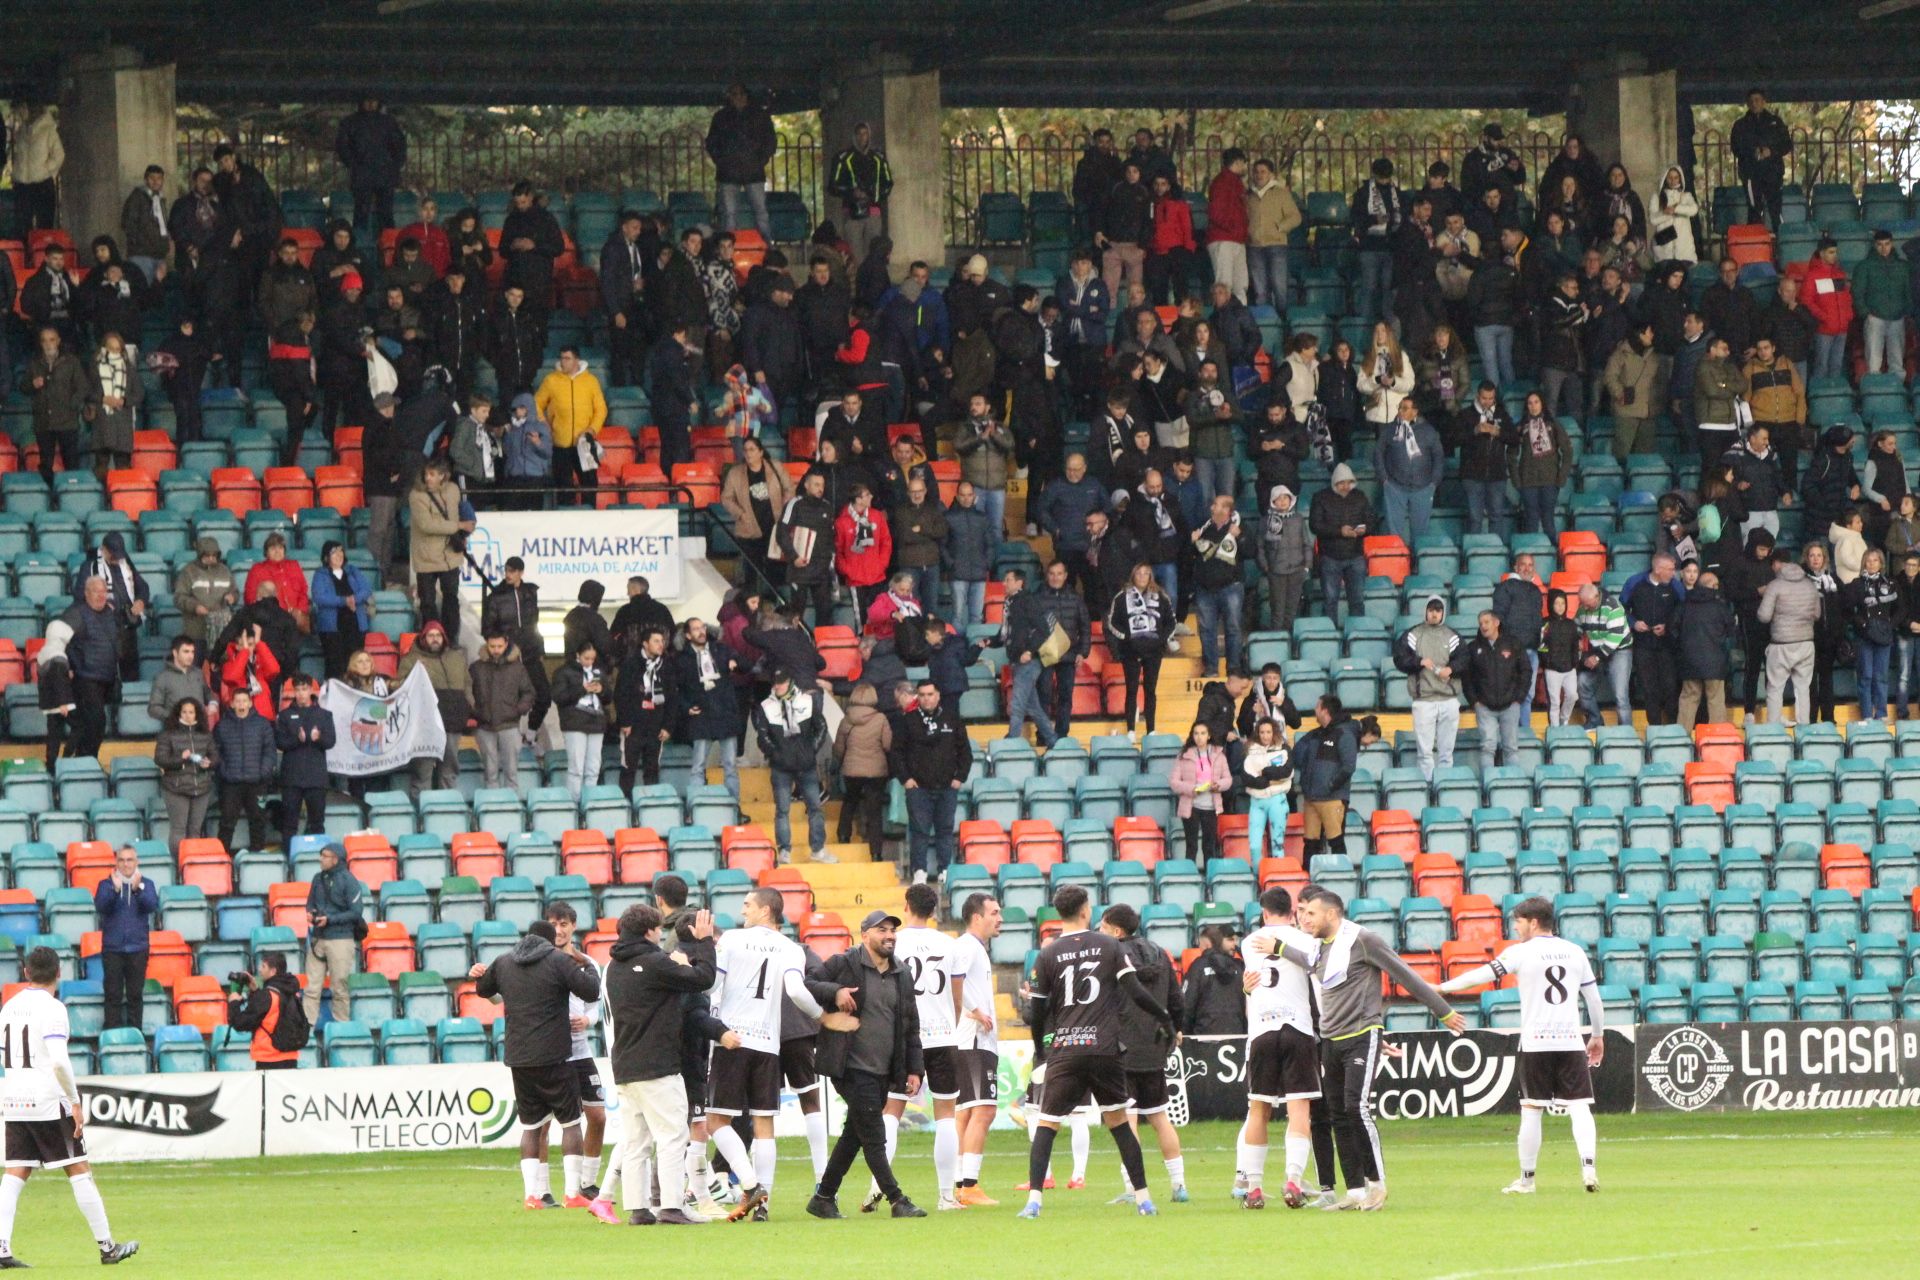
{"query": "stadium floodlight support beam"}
{"type": "Point", "coordinates": [117, 116]}
{"type": "Point", "coordinates": [902, 106]}
{"type": "Point", "coordinates": [1622, 108]}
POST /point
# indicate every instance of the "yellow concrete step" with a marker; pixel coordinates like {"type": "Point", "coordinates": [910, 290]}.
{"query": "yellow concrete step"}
{"type": "Point", "coordinates": [847, 875]}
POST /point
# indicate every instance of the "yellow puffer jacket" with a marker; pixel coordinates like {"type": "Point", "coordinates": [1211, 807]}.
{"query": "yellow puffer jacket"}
{"type": "Point", "coordinates": [571, 404]}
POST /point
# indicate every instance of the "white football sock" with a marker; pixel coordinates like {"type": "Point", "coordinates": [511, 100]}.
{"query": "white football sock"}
{"type": "Point", "coordinates": [1530, 1120]}
{"type": "Point", "coordinates": [610, 1189]}
{"type": "Point", "coordinates": [10, 1189]}
{"type": "Point", "coordinates": [946, 1154]}
{"type": "Point", "coordinates": [1242, 1157]}
{"type": "Point", "coordinates": [1586, 1139]}
{"type": "Point", "coordinates": [699, 1169]}
{"type": "Point", "coordinates": [529, 1176]}
{"type": "Point", "coordinates": [817, 1141]}
{"type": "Point", "coordinates": [1081, 1135]}
{"type": "Point", "coordinates": [545, 1173]}
{"type": "Point", "coordinates": [570, 1174]}
{"type": "Point", "coordinates": [970, 1165]}
{"type": "Point", "coordinates": [1256, 1166]}
{"type": "Point", "coordinates": [1177, 1170]}
{"type": "Point", "coordinates": [728, 1143]}
{"type": "Point", "coordinates": [766, 1157]}
{"type": "Point", "coordinates": [87, 1196]}
{"type": "Point", "coordinates": [1299, 1148]}
{"type": "Point", "coordinates": [891, 1123]}
{"type": "Point", "coordinates": [590, 1171]}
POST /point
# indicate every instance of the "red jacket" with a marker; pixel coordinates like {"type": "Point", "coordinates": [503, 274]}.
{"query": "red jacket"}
{"type": "Point", "coordinates": [434, 249]}
{"type": "Point", "coordinates": [1829, 296]}
{"type": "Point", "coordinates": [882, 617]}
{"type": "Point", "coordinates": [1173, 225]}
{"type": "Point", "coordinates": [868, 566]}
{"type": "Point", "coordinates": [234, 676]}
{"type": "Point", "coordinates": [284, 574]}
{"type": "Point", "coordinates": [1227, 209]}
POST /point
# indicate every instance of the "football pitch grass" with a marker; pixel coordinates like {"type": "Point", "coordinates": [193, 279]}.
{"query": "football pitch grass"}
{"type": "Point", "coordinates": [1822, 1194]}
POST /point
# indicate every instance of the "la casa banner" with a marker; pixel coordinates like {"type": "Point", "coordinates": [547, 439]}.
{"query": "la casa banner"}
{"type": "Point", "coordinates": [1778, 1066]}
{"type": "Point", "coordinates": [564, 548]}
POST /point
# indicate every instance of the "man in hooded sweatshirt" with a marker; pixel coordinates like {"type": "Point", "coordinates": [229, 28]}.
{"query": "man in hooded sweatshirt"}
{"type": "Point", "coordinates": [1790, 609]}
{"type": "Point", "coordinates": [532, 983]}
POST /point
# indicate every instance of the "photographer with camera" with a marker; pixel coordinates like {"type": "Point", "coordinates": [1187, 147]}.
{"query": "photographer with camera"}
{"type": "Point", "coordinates": [268, 1005]}
{"type": "Point", "coordinates": [335, 925]}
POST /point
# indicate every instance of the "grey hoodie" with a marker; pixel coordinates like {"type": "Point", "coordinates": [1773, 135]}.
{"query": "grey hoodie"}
{"type": "Point", "coordinates": [1286, 545]}
{"type": "Point", "coordinates": [1790, 606]}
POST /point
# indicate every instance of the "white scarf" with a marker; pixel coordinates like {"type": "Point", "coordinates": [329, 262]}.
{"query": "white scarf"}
{"type": "Point", "coordinates": [703, 662]}
{"type": "Point", "coordinates": [589, 702]}
{"type": "Point", "coordinates": [1339, 955]}
{"type": "Point", "coordinates": [113, 374]}
{"type": "Point", "coordinates": [904, 606]}
{"type": "Point", "coordinates": [1142, 612]}
{"type": "Point", "coordinates": [159, 206]}
{"type": "Point", "coordinates": [1539, 436]}
{"type": "Point", "coordinates": [1406, 438]}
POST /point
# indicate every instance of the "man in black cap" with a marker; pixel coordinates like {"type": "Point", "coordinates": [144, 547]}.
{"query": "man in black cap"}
{"type": "Point", "coordinates": [1490, 165]}
{"type": "Point", "coordinates": [882, 1051]}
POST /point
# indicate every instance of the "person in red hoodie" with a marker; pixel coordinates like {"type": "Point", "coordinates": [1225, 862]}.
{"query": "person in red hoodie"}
{"type": "Point", "coordinates": [435, 250]}
{"type": "Point", "coordinates": [1170, 247]}
{"type": "Point", "coordinates": [284, 574]}
{"type": "Point", "coordinates": [1227, 223]}
{"type": "Point", "coordinates": [1829, 296]}
{"type": "Point", "coordinates": [250, 667]}
{"type": "Point", "coordinates": [863, 547]}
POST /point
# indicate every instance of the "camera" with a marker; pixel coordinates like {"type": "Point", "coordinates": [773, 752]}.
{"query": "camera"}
{"type": "Point", "coordinates": [240, 978]}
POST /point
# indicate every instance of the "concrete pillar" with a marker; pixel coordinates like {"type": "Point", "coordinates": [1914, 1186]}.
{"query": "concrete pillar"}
{"type": "Point", "coordinates": [116, 118]}
{"type": "Point", "coordinates": [903, 108]}
{"type": "Point", "coordinates": [1628, 113]}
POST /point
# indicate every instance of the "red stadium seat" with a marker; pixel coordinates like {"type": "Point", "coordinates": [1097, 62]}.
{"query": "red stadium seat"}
{"type": "Point", "coordinates": [1285, 873]}
{"type": "Point", "coordinates": [1232, 829]}
{"type": "Point", "coordinates": [1709, 784]}
{"type": "Point", "coordinates": [1457, 958]}
{"type": "Point", "coordinates": [236, 489]}
{"type": "Point", "coordinates": [616, 445]}
{"type": "Point", "coordinates": [1845, 866]}
{"type": "Point", "coordinates": [642, 854]}
{"type": "Point", "coordinates": [199, 1002]}
{"type": "Point", "coordinates": [478, 854]}
{"type": "Point", "coordinates": [1437, 875]}
{"type": "Point", "coordinates": [339, 488]}
{"type": "Point", "coordinates": [287, 906]}
{"type": "Point", "coordinates": [372, 860]}
{"type": "Point", "coordinates": [207, 864]}
{"type": "Point", "coordinates": [825, 934]}
{"type": "Point", "coordinates": [1721, 745]}
{"type": "Point", "coordinates": [387, 949]}
{"type": "Point", "coordinates": [1583, 555]}
{"type": "Point", "coordinates": [1395, 831]}
{"type": "Point", "coordinates": [984, 843]}
{"type": "Point", "coordinates": [1137, 839]}
{"type": "Point", "coordinates": [841, 649]}
{"type": "Point", "coordinates": [169, 958]}
{"type": "Point", "coordinates": [749, 850]}
{"type": "Point", "coordinates": [1387, 557]}
{"type": "Point", "coordinates": [1037, 843]}
{"type": "Point", "coordinates": [153, 453]}
{"type": "Point", "coordinates": [133, 492]}
{"type": "Point", "coordinates": [701, 482]}
{"type": "Point", "coordinates": [347, 448]}
{"type": "Point", "coordinates": [796, 895]}
{"type": "Point", "coordinates": [1476, 918]}
{"type": "Point", "coordinates": [587, 853]}
{"type": "Point", "coordinates": [88, 863]}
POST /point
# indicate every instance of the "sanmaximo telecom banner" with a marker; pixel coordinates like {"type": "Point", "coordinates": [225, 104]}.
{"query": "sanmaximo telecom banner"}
{"type": "Point", "coordinates": [567, 547]}
{"type": "Point", "coordinates": [1778, 1066]}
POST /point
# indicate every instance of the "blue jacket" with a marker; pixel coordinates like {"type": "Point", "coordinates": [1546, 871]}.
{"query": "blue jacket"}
{"type": "Point", "coordinates": [246, 750]}
{"type": "Point", "coordinates": [123, 915]}
{"type": "Point", "coordinates": [336, 895]}
{"type": "Point", "coordinates": [1390, 460]}
{"type": "Point", "coordinates": [1324, 761]}
{"type": "Point", "coordinates": [94, 652]}
{"type": "Point", "coordinates": [931, 329]}
{"type": "Point", "coordinates": [1086, 310]}
{"type": "Point", "coordinates": [1193, 500]}
{"type": "Point", "coordinates": [526, 457]}
{"type": "Point", "coordinates": [326, 601]}
{"type": "Point", "coordinates": [971, 542]}
{"type": "Point", "coordinates": [1064, 508]}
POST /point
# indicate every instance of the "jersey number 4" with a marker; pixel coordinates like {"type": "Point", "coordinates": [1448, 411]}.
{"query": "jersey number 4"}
{"type": "Point", "coordinates": [1089, 971]}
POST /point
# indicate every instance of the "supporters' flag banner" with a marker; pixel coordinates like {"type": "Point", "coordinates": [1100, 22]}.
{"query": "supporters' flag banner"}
{"type": "Point", "coordinates": [1778, 1066]}
{"type": "Point", "coordinates": [563, 549]}
{"type": "Point", "coordinates": [374, 735]}
{"type": "Point", "coordinates": [189, 1116]}
{"type": "Point", "coordinates": [1435, 1074]}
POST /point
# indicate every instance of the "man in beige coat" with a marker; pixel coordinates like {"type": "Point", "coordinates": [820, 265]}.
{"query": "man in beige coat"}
{"type": "Point", "coordinates": [439, 546]}
{"type": "Point", "coordinates": [1272, 216]}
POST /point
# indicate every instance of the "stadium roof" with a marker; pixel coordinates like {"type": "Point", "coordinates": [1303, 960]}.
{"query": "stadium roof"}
{"type": "Point", "coordinates": [992, 52]}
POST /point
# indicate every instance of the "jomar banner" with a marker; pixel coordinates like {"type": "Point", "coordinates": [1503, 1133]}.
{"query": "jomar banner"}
{"type": "Point", "coordinates": [1778, 1066]}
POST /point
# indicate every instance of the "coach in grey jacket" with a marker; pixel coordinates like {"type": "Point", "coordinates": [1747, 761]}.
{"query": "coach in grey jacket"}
{"type": "Point", "coordinates": [1345, 968]}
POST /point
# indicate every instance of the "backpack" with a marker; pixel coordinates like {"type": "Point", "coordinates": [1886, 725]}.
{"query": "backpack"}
{"type": "Point", "coordinates": [292, 1031]}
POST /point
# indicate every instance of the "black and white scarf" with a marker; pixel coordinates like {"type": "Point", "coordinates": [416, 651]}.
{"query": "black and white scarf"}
{"type": "Point", "coordinates": [1143, 612]}
{"type": "Point", "coordinates": [1405, 437]}
{"type": "Point", "coordinates": [1539, 436]}
{"type": "Point", "coordinates": [704, 666]}
{"type": "Point", "coordinates": [1383, 208]}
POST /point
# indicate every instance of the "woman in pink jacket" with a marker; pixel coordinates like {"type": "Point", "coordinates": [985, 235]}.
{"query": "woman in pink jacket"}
{"type": "Point", "coordinates": [1201, 778]}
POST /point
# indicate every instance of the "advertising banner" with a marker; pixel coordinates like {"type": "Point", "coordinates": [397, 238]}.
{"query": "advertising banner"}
{"type": "Point", "coordinates": [1778, 1066]}
{"type": "Point", "coordinates": [1435, 1074]}
{"type": "Point", "coordinates": [563, 549]}
{"type": "Point", "coordinates": [374, 735]}
{"type": "Point", "coordinates": [190, 1116]}
{"type": "Point", "coordinates": [434, 1108]}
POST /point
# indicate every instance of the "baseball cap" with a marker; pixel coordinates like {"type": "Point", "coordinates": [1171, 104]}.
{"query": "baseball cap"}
{"type": "Point", "coordinates": [876, 918]}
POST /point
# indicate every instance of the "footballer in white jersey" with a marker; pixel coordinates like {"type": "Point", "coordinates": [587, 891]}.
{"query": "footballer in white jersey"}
{"type": "Point", "coordinates": [927, 954]}
{"type": "Point", "coordinates": [40, 1102]}
{"type": "Point", "coordinates": [1283, 1049]}
{"type": "Point", "coordinates": [1562, 1033]}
